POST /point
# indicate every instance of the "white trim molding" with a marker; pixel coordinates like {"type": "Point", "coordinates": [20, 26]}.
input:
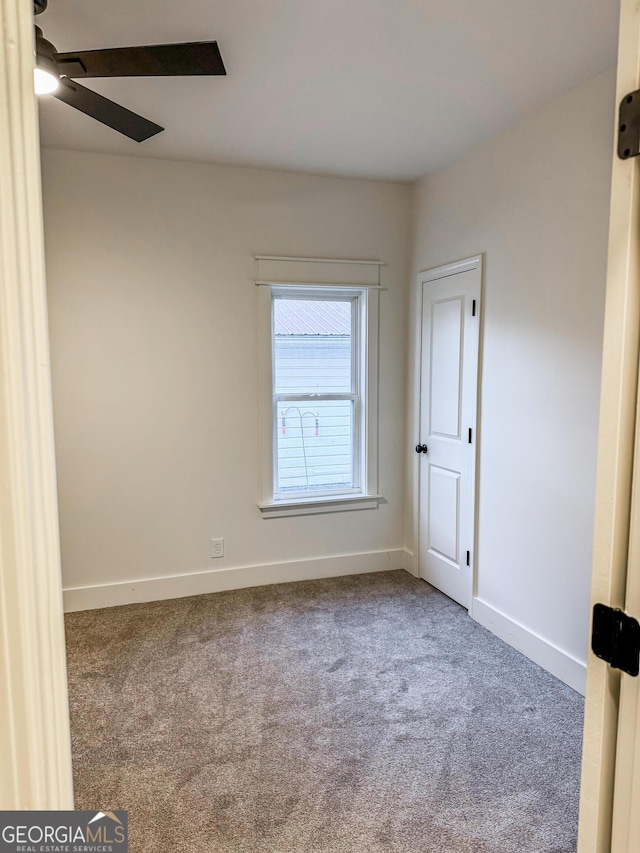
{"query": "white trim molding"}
{"type": "Point", "coordinates": [455, 267]}
{"type": "Point", "coordinates": [547, 655]}
{"type": "Point", "coordinates": [341, 271]}
{"type": "Point", "coordinates": [220, 580]}
{"type": "Point", "coordinates": [35, 749]}
{"type": "Point", "coordinates": [315, 506]}
{"type": "Point", "coordinates": [274, 283]}
{"type": "Point", "coordinates": [320, 260]}
{"type": "Point", "coordinates": [364, 392]}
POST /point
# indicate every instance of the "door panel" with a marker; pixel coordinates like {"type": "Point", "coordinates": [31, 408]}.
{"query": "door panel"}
{"type": "Point", "coordinates": [444, 513]}
{"type": "Point", "coordinates": [447, 319]}
{"type": "Point", "coordinates": [449, 371]}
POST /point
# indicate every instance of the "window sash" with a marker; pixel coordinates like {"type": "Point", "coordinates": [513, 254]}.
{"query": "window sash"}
{"type": "Point", "coordinates": [301, 459]}
{"type": "Point", "coordinates": [323, 295]}
{"type": "Point", "coordinates": [356, 298]}
{"type": "Point", "coordinates": [365, 404]}
{"type": "Point", "coordinates": [354, 447]}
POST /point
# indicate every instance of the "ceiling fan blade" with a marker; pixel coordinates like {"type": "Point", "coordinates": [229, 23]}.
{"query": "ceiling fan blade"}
{"type": "Point", "coordinates": [92, 104]}
{"type": "Point", "coordinates": [156, 60]}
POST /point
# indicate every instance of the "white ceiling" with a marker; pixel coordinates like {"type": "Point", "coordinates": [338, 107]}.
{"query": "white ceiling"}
{"type": "Point", "coordinates": [387, 89]}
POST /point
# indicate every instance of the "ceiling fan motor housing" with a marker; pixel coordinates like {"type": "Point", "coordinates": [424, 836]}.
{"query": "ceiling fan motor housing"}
{"type": "Point", "coordinates": [44, 48]}
{"type": "Point", "coordinates": [39, 6]}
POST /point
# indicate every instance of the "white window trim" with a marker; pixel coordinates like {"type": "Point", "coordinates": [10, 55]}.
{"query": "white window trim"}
{"type": "Point", "coordinates": [366, 497]}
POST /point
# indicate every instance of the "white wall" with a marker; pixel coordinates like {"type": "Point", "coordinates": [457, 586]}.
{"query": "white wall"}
{"type": "Point", "coordinates": [153, 316]}
{"type": "Point", "coordinates": [536, 201]}
{"type": "Point", "coordinates": [153, 319]}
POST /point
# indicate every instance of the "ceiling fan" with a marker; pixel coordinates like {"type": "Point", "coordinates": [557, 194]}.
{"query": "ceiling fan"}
{"type": "Point", "coordinates": [56, 73]}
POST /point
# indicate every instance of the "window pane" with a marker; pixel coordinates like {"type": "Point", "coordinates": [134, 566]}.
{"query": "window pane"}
{"type": "Point", "coordinates": [312, 346]}
{"type": "Point", "coordinates": [314, 446]}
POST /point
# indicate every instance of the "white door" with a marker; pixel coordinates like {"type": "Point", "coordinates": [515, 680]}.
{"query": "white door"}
{"type": "Point", "coordinates": [447, 441]}
{"type": "Point", "coordinates": [610, 815]}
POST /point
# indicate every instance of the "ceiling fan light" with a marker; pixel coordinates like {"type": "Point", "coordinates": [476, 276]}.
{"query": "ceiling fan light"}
{"type": "Point", "coordinates": [45, 79]}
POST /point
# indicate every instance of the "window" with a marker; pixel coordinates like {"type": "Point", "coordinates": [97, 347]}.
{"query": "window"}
{"type": "Point", "coordinates": [320, 398]}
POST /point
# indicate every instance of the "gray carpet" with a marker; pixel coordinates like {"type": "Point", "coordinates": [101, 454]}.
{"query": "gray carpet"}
{"type": "Point", "coordinates": [364, 713]}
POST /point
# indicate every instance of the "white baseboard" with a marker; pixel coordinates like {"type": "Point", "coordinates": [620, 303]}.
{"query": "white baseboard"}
{"type": "Point", "coordinates": [218, 580]}
{"type": "Point", "coordinates": [556, 661]}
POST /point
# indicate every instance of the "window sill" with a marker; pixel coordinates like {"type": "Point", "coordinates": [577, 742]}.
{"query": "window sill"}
{"type": "Point", "coordinates": [314, 506]}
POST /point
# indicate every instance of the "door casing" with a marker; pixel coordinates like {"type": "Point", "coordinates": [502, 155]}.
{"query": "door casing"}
{"type": "Point", "coordinates": [35, 748]}
{"type": "Point", "coordinates": [618, 401]}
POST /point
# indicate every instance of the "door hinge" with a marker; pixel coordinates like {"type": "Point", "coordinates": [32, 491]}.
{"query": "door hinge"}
{"type": "Point", "coordinates": [473, 308]}
{"type": "Point", "coordinates": [629, 126]}
{"type": "Point", "coordinates": [470, 434]}
{"type": "Point", "coordinates": [615, 638]}
{"type": "Point", "coordinates": [468, 558]}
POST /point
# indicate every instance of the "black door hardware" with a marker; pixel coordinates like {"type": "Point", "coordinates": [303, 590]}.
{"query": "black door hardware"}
{"type": "Point", "coordinates": [629, 126]}
{"type": "Point", "coordinates": [422, 448]}
{"type": "Point", "coordinates": [615, 638]}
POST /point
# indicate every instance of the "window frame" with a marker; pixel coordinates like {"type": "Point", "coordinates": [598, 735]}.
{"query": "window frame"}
{"type": "Point", "coordinates": [364, 392]}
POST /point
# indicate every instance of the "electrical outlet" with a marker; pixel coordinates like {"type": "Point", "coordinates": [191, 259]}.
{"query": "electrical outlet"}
{"type": "Point", "coordinates": [217, 548]}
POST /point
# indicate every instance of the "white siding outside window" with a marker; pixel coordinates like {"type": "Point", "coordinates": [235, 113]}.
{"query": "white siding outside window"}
{"type": "Point", "coordinates": [315, 388]}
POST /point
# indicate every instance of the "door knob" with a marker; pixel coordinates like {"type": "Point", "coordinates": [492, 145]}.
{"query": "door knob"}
{"type": "Point", "coordinates": [422, 448]}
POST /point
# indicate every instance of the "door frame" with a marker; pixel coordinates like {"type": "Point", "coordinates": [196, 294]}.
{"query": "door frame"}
{"type": "Point", "coordinates": [424, 276]}
{"type": "Point", "coordinates": [34, 735]}
{"type": "Point", "coordinates": [619, 390]}
{"type": "Point", "coordinates": [35, 746]}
